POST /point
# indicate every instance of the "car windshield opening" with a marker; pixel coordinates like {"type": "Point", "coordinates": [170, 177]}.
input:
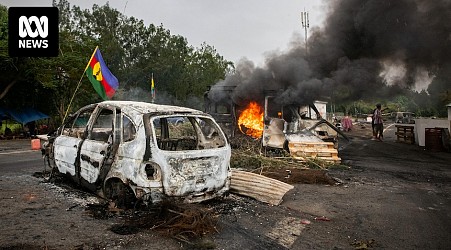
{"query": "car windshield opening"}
{"type": "Point", "coordinates": [180, 133]}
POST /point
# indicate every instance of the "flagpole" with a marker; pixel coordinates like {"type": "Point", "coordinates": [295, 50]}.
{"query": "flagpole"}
{"type": "Point", "coordinates": [70, 103]}
{"type": "Point", "coordinates": [79, 84]}
{"type": "Point", "coordinates": [93, 53]}
{"type": "Point", "coordinates": [152, 89]}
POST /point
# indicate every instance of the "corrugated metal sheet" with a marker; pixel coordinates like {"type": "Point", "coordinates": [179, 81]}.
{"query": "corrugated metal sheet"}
{"type": "Point", "coordinates": [258, 187]}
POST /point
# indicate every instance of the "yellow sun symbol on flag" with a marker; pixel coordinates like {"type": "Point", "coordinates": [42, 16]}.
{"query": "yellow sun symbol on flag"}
{"type": "Point", "coordinates": [97, 72]}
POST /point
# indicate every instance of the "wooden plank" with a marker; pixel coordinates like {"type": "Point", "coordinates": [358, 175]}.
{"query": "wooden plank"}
{"type": "Point", "coordinates": [310, 144]}
{"type": "Point", "coordinates": [315, 155]}
{"type": "Point", "coordinates": [404, 134]}
{"type": "Point", "coordinates": [314, 150]}
{"type": "Point", "coordinates": [318, 150]}
{"type": "Point", "coordinates": [335, 160]}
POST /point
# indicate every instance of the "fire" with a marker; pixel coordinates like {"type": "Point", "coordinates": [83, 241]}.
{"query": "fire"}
{"type": "Point", "coordinates": [251, 120]}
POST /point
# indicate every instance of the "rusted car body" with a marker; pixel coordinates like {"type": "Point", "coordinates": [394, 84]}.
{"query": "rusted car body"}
{"type": "Point", "coordinates": [121, 149]}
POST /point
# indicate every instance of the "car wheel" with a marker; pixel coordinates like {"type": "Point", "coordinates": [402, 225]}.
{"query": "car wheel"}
{"type": "Point", "coordinates": [119, 193]}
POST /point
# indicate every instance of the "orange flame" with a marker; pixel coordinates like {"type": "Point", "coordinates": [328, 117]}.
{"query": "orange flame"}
{"type": "Point", "coordinates": [251, 119]}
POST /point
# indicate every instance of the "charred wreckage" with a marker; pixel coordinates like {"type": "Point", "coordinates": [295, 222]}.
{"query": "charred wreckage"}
{"type": "Point", "coordinates": [125, 151]}
{"type": "Point", "coordinates": [300, 130]}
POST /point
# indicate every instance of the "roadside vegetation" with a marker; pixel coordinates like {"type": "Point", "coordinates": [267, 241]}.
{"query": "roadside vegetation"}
{"type": "Point", "coordinates": [134, 50]}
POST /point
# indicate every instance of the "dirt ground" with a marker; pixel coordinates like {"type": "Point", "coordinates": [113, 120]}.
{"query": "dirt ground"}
{"type": "Point", "coordinates": [384, 195]}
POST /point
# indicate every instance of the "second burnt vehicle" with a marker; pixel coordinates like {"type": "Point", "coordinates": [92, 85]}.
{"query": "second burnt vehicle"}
{"type": "Point", "coordinates": [282, 124]}
{"type": "Point", "coordinates": [125, 150]}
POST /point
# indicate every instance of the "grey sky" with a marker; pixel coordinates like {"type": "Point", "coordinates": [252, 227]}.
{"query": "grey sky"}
{"type": "Point", "coordinates": [237, 29]}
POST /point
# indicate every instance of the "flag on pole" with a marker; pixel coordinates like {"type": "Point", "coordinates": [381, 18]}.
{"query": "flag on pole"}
{"type": "Point", "coordinates": [103, 81]}
{"type": "Point", "coordinates": [152, 88]}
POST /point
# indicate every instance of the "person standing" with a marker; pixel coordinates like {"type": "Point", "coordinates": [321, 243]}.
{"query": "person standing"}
{"type": "Point", "coordinates": [372, 125]}
{"type": "Point", "coordinates": [378, 123]}
{"type": "Point", "coordinates": [346, 123]}
{"type": "Point", "coordinates": [31, 128]}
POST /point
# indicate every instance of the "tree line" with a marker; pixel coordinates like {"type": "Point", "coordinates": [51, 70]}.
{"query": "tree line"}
{"type": "Point", "coordinates": [132, 50]}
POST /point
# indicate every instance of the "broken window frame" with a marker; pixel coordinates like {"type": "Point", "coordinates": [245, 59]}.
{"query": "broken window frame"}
{"type": "Point", "coordinates": [130, 126]}
{"type": "Point", "coordinates": [98, 133]}
{"type": "Point", "coordinates": [69, 128]}
{"type": "Point", "coordinates": [201, 140]}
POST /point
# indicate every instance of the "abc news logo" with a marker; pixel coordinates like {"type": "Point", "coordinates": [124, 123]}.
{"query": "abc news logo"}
{"type": "Point", "coordinates": [42, 29]}
{"type": "Point", "coordinates": [33, 31]}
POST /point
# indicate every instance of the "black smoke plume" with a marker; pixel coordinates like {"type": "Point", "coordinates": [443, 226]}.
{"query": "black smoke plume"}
{"type": "Point", "coordinates": [345, 60]}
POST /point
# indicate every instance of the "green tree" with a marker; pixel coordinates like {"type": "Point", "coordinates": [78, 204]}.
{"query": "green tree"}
{"type": "Point", "coordinates": [132, 51]}
{"type": "Point", "coordinates": [440, 90]}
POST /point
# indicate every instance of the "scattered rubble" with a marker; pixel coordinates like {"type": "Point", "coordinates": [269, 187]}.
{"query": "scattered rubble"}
{"type": "Point", "coordinates": [248, 154]}
{"type": "Point", "coordinates": [184, 222]}
{"type": "Point", "coordinates": [364, 244]}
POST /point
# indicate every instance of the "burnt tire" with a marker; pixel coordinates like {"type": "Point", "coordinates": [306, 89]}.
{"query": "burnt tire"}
{"type": "Point", "coordinates": [50, 169]}
{"type": "Point", "coordinates": [119, 193]}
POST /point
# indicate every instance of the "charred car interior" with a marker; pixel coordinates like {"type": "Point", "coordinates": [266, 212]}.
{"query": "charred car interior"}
{"type": "Point", "coordinates": [182, 135]}
{"type": "Point", "coordinates": [133, 150]}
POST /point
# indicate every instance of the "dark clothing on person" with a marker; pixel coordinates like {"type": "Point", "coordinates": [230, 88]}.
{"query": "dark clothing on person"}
{"type": "Point", "coordinates": [378, 123]}
{"type": "Point", "coordinates": [372, 123]}
{"type": "Point", "coordinates": [31, 128]}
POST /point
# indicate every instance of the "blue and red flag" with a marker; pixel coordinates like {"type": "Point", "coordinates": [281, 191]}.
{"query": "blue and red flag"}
{"type": "Point", "coordinates": [103, 81]}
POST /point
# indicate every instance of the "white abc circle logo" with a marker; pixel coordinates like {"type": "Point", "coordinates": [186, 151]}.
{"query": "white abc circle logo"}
{"type": "Point", "coordinates": [42, 26]}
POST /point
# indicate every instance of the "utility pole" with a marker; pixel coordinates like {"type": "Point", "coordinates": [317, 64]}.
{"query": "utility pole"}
{"type": "Point", "coordinates": [305, 25]}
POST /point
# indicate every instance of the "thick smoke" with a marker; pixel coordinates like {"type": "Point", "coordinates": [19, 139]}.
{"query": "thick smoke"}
{"type": "Point", "coordinates": [347, 58]}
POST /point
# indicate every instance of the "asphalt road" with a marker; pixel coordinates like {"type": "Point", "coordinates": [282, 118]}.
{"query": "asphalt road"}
{"type": "Point", "coordinates": [16, 156]}
{"type": "Point", "coordinates": [391, 196]}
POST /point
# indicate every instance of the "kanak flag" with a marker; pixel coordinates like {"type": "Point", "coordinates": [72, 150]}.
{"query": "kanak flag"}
{"type": "Point", "coordinates": [103, 81]}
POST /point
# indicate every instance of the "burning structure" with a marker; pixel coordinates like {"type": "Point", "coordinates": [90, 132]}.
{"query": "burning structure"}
{"type": "Point", "coordinates": [280, 126]}
{"type": "Point", "coordinates": [366, 50]}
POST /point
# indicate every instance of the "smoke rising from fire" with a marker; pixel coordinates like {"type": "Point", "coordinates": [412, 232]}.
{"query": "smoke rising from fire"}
{"type": "Point", "coordinates": [345, 59]}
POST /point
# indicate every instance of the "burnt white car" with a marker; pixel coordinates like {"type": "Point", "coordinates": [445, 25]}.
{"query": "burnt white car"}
{"type": "Point", "coordinates": [127, 150]}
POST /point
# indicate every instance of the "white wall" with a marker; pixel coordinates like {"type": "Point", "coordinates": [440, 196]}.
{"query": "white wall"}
{"type": "Point", "coordinates": [422, 124]}
{"type": "Point", "coordinates": [321, 106]}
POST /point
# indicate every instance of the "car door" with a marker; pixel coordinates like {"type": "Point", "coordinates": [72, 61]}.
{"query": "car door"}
{"type": "Point", "coordinates": [98, 144]}
{"type": "Point", "coordinates": [67, 144]}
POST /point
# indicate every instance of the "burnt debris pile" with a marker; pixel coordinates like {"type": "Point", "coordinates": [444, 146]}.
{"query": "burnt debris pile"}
{"type": "Point", "coordinates": [185, 222]}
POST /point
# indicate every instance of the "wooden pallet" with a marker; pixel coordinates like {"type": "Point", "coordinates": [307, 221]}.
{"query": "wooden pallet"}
{"type": "Point", "coordinates": [314, 150]}
{"type": "Point", "coordinates": [405, 134]}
